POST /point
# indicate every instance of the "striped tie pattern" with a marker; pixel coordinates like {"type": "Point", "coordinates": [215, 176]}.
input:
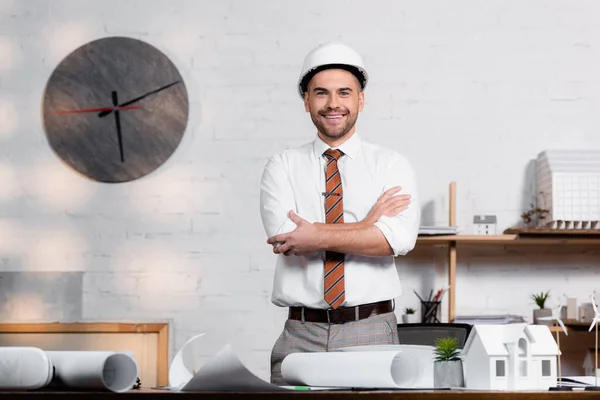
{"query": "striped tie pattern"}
{"type": "Point", "coordinates": [334, 288]}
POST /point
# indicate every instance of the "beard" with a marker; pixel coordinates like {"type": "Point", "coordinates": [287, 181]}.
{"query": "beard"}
{"type": "Point", "coordinates": [334, 131]}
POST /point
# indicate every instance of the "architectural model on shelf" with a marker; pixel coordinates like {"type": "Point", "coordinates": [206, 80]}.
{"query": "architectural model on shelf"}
{"type": "Point", "coordinates": [568, 186]}
{"type": "Point", "coordinates": [484, 224]}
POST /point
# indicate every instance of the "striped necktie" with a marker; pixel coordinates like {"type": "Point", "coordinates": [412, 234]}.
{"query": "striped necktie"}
{"type": "Point", "coordinates": [334, 287]}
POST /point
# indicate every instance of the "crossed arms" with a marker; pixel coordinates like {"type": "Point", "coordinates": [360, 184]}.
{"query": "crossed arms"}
{"type": "Point", "coordinates": [390, 228]}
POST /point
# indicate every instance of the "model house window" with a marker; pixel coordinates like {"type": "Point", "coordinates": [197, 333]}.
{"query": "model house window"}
{"type": "Point", "coordinates": [500, 368]}
{"type": "Point", "coordinates": [522, 357]}
{"type": "Point", "coordinates": [522, 347]}
{"type": "Point", "coordinates": [546, 368]}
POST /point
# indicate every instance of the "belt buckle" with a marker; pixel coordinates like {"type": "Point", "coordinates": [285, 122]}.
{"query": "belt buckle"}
{"type": "Point", "coordinates": [341, 319]}
{"type": "Point", "coordinates": [330, 320]}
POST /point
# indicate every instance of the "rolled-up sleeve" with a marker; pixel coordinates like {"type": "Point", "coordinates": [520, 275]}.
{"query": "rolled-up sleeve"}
{"type": "Point", "coordinates": [276, 198]}
{"type": "Point", "coordinates": [401, 230]}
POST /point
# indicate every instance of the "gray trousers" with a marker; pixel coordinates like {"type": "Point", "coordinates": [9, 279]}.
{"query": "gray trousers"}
{"type": "Point", "coordinates": [299, 337]}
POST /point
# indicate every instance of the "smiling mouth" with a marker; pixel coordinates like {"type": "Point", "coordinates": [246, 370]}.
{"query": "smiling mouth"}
{"type": "Point", "coordinates": [336, 116]}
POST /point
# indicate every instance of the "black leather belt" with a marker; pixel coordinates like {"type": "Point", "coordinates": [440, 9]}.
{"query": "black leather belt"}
{"type": "Point", "coordinates": [341, 315]}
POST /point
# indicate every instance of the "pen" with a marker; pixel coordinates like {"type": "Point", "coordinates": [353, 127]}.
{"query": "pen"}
{"type": "Point", "coordinates": [442, 292]}
{"type": "Point", "coordinates": [418, 296]}
{"type": "Point", "coordinates": [301, 388]}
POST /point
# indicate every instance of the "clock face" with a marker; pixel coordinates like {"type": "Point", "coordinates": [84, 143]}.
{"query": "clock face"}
{"type": "Point", "coordinates": [115, 109]}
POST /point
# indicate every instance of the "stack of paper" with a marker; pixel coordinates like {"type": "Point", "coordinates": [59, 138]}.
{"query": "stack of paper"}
{"type": "Point", "coordinates": [438, 230]}
{"type": "Point", "coordinates": [579, 381]}
{"type": "Point", "coordinates": [489, 319]}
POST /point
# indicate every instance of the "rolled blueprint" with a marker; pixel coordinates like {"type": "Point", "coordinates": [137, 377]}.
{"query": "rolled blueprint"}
{"type": "Point", "coordinates": [24, 368]}
{"type": "Point", "coordinates": [361, 369]}
{"type": "Point", "coordinates": [114, 371]}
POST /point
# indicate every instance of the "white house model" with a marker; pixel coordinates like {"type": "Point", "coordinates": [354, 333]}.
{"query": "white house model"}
{"type": "Point", "coordinates": [484, 224]}
{"type": "Point", "coordinates": [510, 357]}
{"type": "Point", "coordinates": [568, 184]}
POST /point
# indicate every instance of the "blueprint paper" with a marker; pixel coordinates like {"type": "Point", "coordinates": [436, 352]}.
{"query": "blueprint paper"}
{"type": "Point", "coordinates": [223, 372]}
{"type": "Point", "coordinates": [389, 366]}
{"type": "Point", "coordinates": [402, 368]}
{"type": "Point", "coordinates": [185, 363]}
{"type": "Point", "coordinates": [114, 371]}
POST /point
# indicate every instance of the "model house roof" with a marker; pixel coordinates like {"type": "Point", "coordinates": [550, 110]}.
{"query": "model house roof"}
{"type": "Point", "coordinates": [542, 341]}
{"type": "Point", "coordinates": [496, 338]}
{"type": "Point", "coordinates": [587, 161]}
{"type": "Point", "coordinates": [485, 219]}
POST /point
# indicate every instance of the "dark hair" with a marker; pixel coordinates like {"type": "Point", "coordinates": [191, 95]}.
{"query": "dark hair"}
{"type": "Point", "coordinates": [355, 71]}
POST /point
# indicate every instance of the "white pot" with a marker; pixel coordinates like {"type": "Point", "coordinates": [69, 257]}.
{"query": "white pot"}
{"type": "Point", "coordinates": [448, 374]}
{"type": "Point", "coordinates": [410, 318]}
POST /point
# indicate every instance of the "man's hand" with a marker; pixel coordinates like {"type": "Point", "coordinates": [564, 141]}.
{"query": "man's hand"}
{"type": "Point", "coordinates": [310, 238]}
{"type": "Point", "coordinates": [305, 239]}
{"type": "Point", "coordinates": [388, 205]}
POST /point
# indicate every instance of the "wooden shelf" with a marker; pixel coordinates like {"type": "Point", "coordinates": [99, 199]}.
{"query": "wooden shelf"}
{"type": "Point", "coordinates": [572, 325]}
{"type": "Point", "coordinates": [520, 237]}
{"type": "Point", "coordinates": [485, 240]}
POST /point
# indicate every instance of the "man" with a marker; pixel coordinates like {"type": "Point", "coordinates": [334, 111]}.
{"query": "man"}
{"type": "Point", "coordinates": [337, 211]}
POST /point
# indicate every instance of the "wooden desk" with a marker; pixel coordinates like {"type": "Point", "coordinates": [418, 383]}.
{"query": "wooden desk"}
{"type": "Point", "coordinates": [332, 395]}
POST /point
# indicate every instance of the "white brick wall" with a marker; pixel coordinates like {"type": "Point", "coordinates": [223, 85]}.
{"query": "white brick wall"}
{"type": "Point", "coordinates": [469, 90]}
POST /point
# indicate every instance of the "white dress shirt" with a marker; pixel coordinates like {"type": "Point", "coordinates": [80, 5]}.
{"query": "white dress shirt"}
{"type": "Point", "coordinates": [295, 180]}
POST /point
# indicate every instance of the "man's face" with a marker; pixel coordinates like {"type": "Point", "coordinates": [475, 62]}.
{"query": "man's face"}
{"type": "Point", "coordinates": [334, 99]}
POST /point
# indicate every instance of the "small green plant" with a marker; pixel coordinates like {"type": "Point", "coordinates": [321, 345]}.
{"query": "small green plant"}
{"type": "Point", "coordinates": [446, 349]}
{"type": "Point", "coordinates": [409, 310]}
{"type": "Point", "coordinates": [540, 298]}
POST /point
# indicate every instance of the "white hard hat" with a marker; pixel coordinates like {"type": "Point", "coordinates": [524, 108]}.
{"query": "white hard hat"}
{"type": "Point", "coordinates": [332, 55]}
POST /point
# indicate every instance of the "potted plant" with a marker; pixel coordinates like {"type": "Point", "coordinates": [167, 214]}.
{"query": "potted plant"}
{"type": "Point", "coordinates": [448, 365]}
{"type": "Point", "coordinates": [409, 316]}
{"type": "Point", "coordinates": [540, 301]}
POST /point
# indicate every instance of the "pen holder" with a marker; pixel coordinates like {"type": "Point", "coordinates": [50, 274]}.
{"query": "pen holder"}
{"type": "Point", "coordinates": [430, 311]}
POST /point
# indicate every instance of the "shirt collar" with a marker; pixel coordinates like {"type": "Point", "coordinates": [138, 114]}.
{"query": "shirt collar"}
{"type": "Point", "coordinates": [350, 147]}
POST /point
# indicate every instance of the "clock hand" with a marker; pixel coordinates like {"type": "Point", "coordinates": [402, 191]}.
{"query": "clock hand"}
{"type": "Point", "coordinates": [149, 93]}
{"type": "Point", "coordinates": [118, 121]}
{"type": "Point", "coordinates": [106, 112]}
{"type": "Point", "coordinates": [91, 110]}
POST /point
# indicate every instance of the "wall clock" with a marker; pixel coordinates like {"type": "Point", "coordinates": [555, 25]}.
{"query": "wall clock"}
{"type": "Point", "coordinates": [115, 109]}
